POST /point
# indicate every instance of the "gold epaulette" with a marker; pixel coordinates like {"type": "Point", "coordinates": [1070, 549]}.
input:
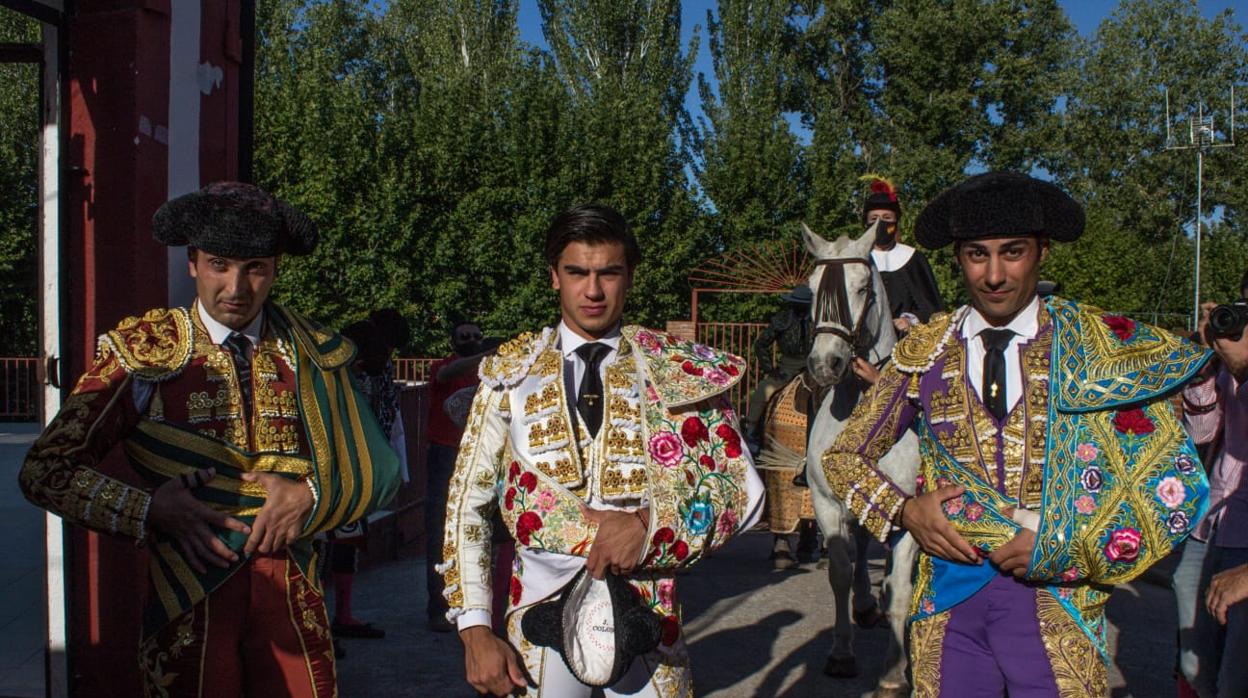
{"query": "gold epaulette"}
{"type": "Point", "coordinates": [513, 360]}
{"type": "Point", "coordinates": [918, 350]}
{"type": "Point", "coordinates": [154, 347]}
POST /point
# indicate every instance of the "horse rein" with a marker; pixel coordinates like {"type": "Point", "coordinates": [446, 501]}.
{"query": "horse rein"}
{"type": "Point", "coordinates": [831, 311]}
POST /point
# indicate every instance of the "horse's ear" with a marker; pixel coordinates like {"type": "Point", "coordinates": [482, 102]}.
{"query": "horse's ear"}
{"type": "Point", "coordinates": [814, 243]}
{"type": "Point", "coordinates": [862, 246]}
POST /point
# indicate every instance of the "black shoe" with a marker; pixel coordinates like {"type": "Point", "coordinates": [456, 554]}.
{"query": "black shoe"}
{"type": "Point", "coordinates": [364, 631]}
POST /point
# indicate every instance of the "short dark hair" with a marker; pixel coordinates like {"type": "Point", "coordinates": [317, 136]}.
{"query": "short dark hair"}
{"type": "Point", "coordinates": [591, 224]}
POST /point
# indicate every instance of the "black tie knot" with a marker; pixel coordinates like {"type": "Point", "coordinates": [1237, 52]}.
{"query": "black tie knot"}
{"type": "Point", "coordinates": [592, 354]}
{"type": "Point", "coordinates": [996, 340]}
{"type": "Point", "coordinates": [238, 344]}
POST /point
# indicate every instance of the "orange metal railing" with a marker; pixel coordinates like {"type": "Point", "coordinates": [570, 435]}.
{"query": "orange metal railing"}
{"type": "Point", "coordinates": [20, 392]}
{"type": "Point", "coordinates": [738, 338]}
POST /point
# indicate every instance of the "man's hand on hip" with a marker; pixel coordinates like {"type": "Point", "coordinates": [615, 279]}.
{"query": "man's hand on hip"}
{"type": "Point", "coordinates": [925, 519]}
{"type": "Point", "coordinates": [618, 543]}
{"type": "Point", "coordinates": [175, 512]}
{"type": "Point", "coordinates": [280, 521]}
{"type": "Point", "coordinates": [490, 664]}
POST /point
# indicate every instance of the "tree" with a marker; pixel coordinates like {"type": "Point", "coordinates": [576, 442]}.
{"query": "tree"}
{"type": "Point", "coordinates": [19, 207]}
{"type": "Point", "coordinates": [627, 133]}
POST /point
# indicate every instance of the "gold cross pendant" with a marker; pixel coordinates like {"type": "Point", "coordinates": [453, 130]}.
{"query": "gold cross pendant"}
{"type": "Point", "coordinates": [590, 398]}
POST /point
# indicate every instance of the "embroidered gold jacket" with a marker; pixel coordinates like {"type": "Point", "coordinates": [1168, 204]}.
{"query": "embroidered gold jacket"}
{"type": "Point", "coordinates": [669, 439]}
{"type": "Point", "coordinates": [171, 397]}
{"type": "Point", "coordinates": [1093, 446]}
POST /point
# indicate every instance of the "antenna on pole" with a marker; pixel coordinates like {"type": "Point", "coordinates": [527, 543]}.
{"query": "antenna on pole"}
{"type": "Point", "coordinates": [1202, 136]}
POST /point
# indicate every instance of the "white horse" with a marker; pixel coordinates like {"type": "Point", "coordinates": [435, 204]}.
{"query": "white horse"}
{"type": "Point", "coordinates": [851, 318]}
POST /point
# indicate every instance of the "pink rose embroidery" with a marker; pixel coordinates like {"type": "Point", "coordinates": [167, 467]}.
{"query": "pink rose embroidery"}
{"type": "Point", "coordinates": [1085, 505]}
{"type": "Point", "coordinates": [666, 597]}
{"type": "Point", "coordinates": [1123, 545]}
{"type": "Point", "coordinates": [1070, 575]}
{"type": "Point", "coordinates": [727, 523]}
{"type": "Point", "coordinates": [1171, 492]}
{"type": "Point", "coordinates": [717, 377]}
{"type": "Point", "coordinates": [546, 501]}
{"type": "Point", "coordinates": [974, 511]}
{"type": "Point", "coordinates": [665, 449]}
{"type": "Point", "coordinates": [1087, 453]}
{"type": "Point", "coordinates": [649, 342]}
{"type": "Point", "coordinates": [953, 507]}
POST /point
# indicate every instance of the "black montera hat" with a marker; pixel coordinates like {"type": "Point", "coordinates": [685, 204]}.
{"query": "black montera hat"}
{"type": "Point", "coordinates": [999, 204]}
{"type": "Point", "coordinates": [883, 196]}
{"type": "Point", "coordinates": [233, 219]}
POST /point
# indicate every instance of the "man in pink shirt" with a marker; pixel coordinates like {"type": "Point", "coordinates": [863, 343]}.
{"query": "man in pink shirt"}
{"type": "Point", "coordinates": [1213, 572]}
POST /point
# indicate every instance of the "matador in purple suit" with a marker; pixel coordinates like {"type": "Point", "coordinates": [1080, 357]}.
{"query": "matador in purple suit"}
{"type": "Point", "coordinates": [1053, 466]}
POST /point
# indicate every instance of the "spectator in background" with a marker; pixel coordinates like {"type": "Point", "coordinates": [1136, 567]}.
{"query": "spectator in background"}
{"type": "Point", "coordinates": [375, 340]}
{"type": "Point", "coordinates": [1211, 580]}
{"type": "Point", "coordinates": [447, 377]}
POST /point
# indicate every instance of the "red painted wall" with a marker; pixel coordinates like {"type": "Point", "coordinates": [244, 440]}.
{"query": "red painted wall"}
{"type": "Point", "coordinates": [117, 98]}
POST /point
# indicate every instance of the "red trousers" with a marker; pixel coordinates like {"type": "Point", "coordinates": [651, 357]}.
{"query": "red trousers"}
{"type": "Point", "coordinates": [262, 634]}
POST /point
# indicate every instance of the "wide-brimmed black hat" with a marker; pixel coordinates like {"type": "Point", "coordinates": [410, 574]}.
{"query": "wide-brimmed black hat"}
{"type": "Point", "coordinates": [799, 294]}
{"type": "Point", "coordinates": [999, 204]}
{"type": "Point", "coordinates": [882, 196]}
{"type": "Point", "coordinates": [233, 219]}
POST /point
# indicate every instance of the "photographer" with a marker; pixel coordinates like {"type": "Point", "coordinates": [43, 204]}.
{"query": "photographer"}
{"type": "Point", "coordinates": [1211, 581]}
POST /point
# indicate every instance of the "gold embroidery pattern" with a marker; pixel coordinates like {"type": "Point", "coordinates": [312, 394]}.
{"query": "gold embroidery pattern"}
{"type": "Point", "coordinates": [927, 639]}
{"type": "Point", "coordinates": [918, 350]}
{"type": "Point", "coordinates": [847, 463]}
{"type": "Point", "coordinates": [58, 473]}
{"type": "Point", "coordinates": [1077, 666]}
{"type": "Point", "coordinates": [155, 346]}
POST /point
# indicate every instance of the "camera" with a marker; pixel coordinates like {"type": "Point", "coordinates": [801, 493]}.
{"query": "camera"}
{"type": "Point", "coordinates": [1228, 320]}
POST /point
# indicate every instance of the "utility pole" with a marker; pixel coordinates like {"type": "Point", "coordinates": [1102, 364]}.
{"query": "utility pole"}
{"type": "Point", "coordinates": [1202, 137]}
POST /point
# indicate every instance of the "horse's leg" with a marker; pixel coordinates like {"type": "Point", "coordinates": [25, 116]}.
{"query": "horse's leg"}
{"type": "Point", "coordinates": [833, 520]}
{"type": "Point", "coordinates": [897, 591]}
{"type": "Point", "coordinates": [864, 597]}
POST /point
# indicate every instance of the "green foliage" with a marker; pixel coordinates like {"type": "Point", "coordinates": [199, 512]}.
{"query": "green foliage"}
{"type": "Point", "coordinates": [19, 207]}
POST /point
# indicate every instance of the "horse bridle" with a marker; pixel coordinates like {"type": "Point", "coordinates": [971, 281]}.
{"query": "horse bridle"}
{"type": "Point", "coordinates": [832, 313]}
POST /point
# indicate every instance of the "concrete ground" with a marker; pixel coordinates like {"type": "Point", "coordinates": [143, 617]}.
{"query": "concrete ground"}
{"type": "Point", "coordinates": [753, 632]}
{"type": "Point", "coordinates": [21, 573]}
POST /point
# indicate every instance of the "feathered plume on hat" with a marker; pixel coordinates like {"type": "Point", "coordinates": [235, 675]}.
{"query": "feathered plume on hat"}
{"type": "Point", "coordinates": [883, 195]}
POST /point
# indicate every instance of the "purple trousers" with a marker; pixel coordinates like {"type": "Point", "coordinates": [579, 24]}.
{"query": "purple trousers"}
{"type": "Point", "coordinates": [992, 645]}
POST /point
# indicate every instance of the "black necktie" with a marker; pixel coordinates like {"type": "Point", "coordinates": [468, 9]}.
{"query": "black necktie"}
{"type": "Point", "coordinates": [240, 350]}
{"type": "Point", "coordinates": [589, 397]}
{"type": "Point", "coordinates": [995, 342]}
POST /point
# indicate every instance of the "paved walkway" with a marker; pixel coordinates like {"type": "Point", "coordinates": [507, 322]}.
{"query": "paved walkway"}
{"type": "Point", "coordinates": [753, 633]}
{"type": "Point", "coordinates": [21, 573]}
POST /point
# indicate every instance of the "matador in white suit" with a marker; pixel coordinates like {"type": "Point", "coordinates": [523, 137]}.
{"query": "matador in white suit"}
{"type": "Point", "coordinates": [607, 447]}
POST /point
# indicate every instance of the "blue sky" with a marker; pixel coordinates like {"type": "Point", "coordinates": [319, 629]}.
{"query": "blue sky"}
{"type": "Point", "coordinates": [1086, 15]}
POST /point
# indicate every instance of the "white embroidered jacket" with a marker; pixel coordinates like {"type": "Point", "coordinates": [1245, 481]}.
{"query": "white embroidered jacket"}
{"type": "Point", "coordinates": [669, 440]}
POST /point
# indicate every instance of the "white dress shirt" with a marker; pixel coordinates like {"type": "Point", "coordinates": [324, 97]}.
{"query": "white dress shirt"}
{"type": "Point", "coordinates": [1025, 325]}
{"type": "Point", "coordinates": [219, 332]}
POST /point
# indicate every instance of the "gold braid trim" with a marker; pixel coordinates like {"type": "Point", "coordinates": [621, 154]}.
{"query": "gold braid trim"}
{"type": "Point", "coordinates": [917, 351]}
{"type": "Point", "coordinates": [927, 639]}
{"type": "Point", "coordinates": [1077, 666]}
